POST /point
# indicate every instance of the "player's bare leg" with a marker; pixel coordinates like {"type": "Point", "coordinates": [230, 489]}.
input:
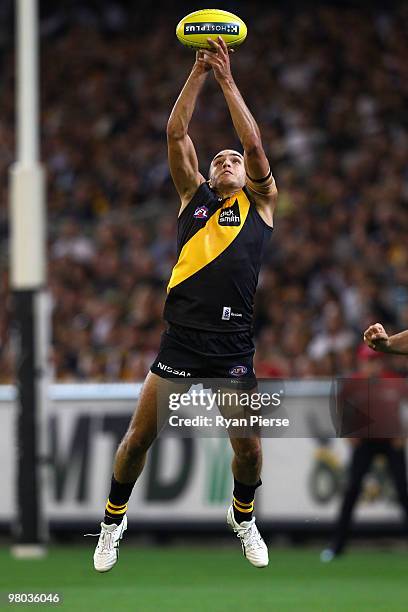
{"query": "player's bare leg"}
{"type": "Point", "coordinates": [246, 468]}
{"type": "Point", "coordinates": [130, 457]}
{"type": "Point", "coordinates": [247, 460]}
{"type": "Point", "coordinates": [129, 462]}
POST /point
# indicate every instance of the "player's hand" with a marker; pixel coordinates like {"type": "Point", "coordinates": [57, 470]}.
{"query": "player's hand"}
{"type": "Point", "coordinates": [376, 337]}
{"type": "Point", "coordinates": [200, 64]}
{"type": "Point", "coordinates": [218, 58]}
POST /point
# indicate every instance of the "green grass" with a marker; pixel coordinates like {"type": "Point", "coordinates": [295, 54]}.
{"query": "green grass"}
{"type": "Point", "coordinates": [216, 580]}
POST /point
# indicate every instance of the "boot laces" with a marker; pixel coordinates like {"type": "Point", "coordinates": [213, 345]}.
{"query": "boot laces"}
{"type": "Point", "coordinates": [105, 543]}
{"type": "Point", "coordinates": [250, 536]}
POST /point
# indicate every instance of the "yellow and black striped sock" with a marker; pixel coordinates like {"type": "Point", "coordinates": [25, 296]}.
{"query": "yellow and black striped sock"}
{"type": "Point", "coordinates": [116, 505]}
{"type": "Point", "coordinates": [243, 501]}
{"type": "Point", "coordinates": [242, 511]}
{"type": "Point", "coordinates": [114, 514]}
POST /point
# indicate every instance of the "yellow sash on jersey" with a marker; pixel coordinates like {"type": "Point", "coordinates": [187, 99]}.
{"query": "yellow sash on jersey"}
{"type": "Point", "coordinates": [208, 242]}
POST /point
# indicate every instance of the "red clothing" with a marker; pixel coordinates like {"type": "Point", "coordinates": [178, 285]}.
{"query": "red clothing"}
{"type": "Point", "coordinates": [371, 407]}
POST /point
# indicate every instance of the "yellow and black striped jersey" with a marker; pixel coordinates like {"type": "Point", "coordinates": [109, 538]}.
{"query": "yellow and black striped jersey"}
{"type": "Point", "coordinates": [220, 245]}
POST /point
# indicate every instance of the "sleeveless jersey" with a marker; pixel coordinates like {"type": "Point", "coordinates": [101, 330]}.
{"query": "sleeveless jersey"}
{"type": "Point", "coordinates": [220, 244]}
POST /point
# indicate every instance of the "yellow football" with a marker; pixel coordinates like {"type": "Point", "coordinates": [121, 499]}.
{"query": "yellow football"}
{"type": "Point", "coordinates": [196, 27]}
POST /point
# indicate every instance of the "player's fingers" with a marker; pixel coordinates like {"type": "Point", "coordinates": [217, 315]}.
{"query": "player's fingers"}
{"type": "Point", "coordinates": [368, 339]}
{"type": "Point", "coordinates": [222, 44]}
{"type": "Point", "coordinates": [213, 62]}
{"type": "Point", "coordinates": [374, 329]}
{"type": "Point", "coordinates": [213, 45]}
{"type": "Point", "coordinates": [210, 58]}
{"type": "Point", "coordinates": [378, 336]}
{"type": "Point", "coordinates": [217, 49]}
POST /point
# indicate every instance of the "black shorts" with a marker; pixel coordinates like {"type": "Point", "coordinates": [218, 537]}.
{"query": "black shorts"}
{"type": "Point", "coordinates": [189, 353]}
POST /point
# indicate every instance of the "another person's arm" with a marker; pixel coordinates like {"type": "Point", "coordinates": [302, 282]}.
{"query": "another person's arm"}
{"type": "Point", "coordinates": [377, 338]}
{"type": "Point", "coordinates": [182, 156]}
{"type": "Point", "coordinates": [260, 179]}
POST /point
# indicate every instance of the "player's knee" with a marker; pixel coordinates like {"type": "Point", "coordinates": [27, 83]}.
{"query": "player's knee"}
{"type": "Point", "coordinates": [249, 454]}
{"type": "Point", "coordinates": [135, 445]}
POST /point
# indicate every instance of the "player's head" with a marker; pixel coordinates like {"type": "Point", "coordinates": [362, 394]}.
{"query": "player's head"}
{"type": "Point", "coordinates": [227, 171]}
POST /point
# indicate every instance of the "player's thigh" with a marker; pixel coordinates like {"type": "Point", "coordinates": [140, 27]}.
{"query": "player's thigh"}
{"type": "Point", "coordinates": [152, 410]}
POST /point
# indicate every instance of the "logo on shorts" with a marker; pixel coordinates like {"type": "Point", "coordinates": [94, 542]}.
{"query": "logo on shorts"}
{"type": "Point", "coordinates": [170, 370]}
{"type": "Point", "coordinates": [238, 370]}
{"type": "Point", "coordinates": [201, 212]}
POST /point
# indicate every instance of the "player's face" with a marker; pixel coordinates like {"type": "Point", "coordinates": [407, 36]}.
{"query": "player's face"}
{"type": "Point", "coordinates": [227, 171]}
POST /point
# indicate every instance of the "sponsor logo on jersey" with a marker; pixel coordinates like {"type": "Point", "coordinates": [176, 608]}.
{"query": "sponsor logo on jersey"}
{"type": "Point", "coordinates": [170, 370]}
{"type": "Point", "coordinates": [219, 27]}
{"type": "Point", "coordinates": [201, 212]}
{"type": "Point", "coordinates": [230, 216]}
{"type": "Point", "coordinates": [238, 370]}
{"type": "Point", "coordinates": [227, 313]}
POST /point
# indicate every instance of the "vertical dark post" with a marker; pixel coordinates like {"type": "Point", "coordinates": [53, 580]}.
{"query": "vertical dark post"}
{"type": "Point", "coordinates": [28, 498]}
{"type": "Point", "coordinates": [28, 278]}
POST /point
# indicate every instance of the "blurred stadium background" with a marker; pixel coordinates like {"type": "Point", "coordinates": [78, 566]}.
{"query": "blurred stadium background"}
{"type": "Point", "coordinates": [327, 83]}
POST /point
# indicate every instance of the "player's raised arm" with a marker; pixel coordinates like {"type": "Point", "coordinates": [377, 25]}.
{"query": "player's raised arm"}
{"type": "Point", "coordinates": [260, 179]}
{"type": "Point", "coordinates": [182, 155]}
{"type": "Point", "coordinates": [377, 338]}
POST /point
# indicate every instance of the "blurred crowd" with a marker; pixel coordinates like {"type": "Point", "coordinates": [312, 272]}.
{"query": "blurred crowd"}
{"type": "Point", "coordinates": [329, 89]}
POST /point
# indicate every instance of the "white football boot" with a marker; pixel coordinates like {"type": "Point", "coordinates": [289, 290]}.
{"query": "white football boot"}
{"type": "Point", "coordinates": [107, 550]}
{"type": "Point", "coordinates": [253, 546]}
